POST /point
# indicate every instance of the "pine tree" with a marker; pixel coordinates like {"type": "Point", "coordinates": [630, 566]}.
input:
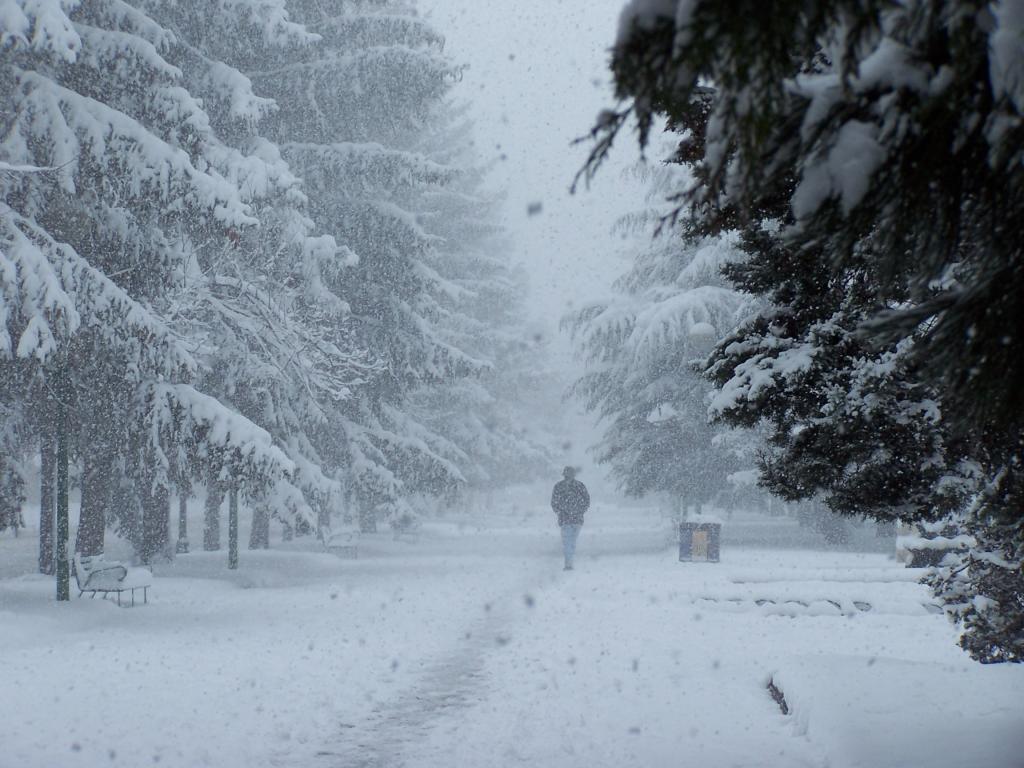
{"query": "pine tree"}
{"type": "Point", "coordinates": [278, 349]}
{"type": "Point", "coordinates": [640, 348]}
{"type": "Point", "coordinates": [244, 244]}
{"type": "Point", "coordinates": [12, 481]}
{"type": "Point", "coordinates": [108, 187]}
{"type": "Point", "coordinates": [485, 417]}
{"type": "Point", "coordinates": [352, 110]}
{"type": "Point", "coordinates": [871, 155]}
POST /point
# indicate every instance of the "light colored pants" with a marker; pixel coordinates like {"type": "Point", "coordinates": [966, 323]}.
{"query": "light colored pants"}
{"type": "Point", "coordinates": [569, 535]}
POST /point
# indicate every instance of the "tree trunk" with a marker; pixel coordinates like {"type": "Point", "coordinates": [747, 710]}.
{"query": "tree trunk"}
{"type": "Point", "coordinates": [156, 523]}
{"type": "Point", "coordinates": [288, 534]}
{"type": "Point", "coordinates": [47, 478]}
{"type": "Point", "coordinates": [62, 531]}
{"type": "Point", "coordinates": [259, 537]}
{"type": "Point", "coordinates": [181, 547]}
{"type": "Point", "coordinates": [367, 521]}
{"type": "Point", "coordinates": [211, 519]}
{"type": "Point", "coordinates": [680, 512]}
{"type": "Point", "coordinates": [233, 530]}
{"type": "Point", "coordinates": [323, 517]}
{"type": "Point", "coordinates": [96, 471]}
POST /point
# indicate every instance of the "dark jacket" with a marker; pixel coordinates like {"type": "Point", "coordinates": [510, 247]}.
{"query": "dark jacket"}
{"type": "Point", "coordinates": [570, 501]}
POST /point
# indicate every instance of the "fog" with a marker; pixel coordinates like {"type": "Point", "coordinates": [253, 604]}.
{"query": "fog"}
{"type": "Point", "coordinates": [537, 78]}
{"type": "Point", "coordinates": [368, 398]}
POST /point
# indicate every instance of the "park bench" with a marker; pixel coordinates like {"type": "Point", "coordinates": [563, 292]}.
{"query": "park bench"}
{"type": "Point", "coordinates": [343, 543]}
{"type": "Point", "coordinates": [96, 575]}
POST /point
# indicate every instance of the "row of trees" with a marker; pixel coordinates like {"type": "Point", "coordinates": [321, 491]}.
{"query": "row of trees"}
{"type": "Point", "coordinates": [866, 157]}
{"type": "Point", "coordinates": [243, 245]}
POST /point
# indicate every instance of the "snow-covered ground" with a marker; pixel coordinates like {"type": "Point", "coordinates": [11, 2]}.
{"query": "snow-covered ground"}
{"type": "Point", "coordinates": [471, 647]}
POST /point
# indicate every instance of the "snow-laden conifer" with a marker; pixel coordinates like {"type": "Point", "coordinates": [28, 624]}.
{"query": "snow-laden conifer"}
{"type": "Point", "coordinates": [881, 143]}
{"type": "Point", "coordinates": [274, 335]}
{"type": "Point", "coordinates": [109, 186]}
{"type": "Point", "coordinates": [351, 111]}
{"type": "Point", "coordinates": [640, 347]}
{"type": "Point", "coordinates": [485, 417]}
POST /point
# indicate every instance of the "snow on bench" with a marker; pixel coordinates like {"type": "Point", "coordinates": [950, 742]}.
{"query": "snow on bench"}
{"type": "Point", "coordinates": [343, 543]}
{"type": "Point", "coordinates": [94, 574]}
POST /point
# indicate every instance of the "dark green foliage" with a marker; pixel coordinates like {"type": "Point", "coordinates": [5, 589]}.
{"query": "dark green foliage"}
{"type": "Point", "coordinates": [871, 154]}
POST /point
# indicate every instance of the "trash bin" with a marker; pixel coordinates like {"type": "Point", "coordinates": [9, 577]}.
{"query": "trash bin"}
{"type": "Point", "coordinates": [700, 541]}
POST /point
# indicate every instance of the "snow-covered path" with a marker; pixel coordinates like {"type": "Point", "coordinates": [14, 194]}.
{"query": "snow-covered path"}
{"type": "Point", "coordinates": [575, 670]}
{"type": "Point", "coordinates": [455, 685]}
{"type": "Point", "coordinates": [472, 648]}
{"type": "Point", "coordinates": [449, 685]}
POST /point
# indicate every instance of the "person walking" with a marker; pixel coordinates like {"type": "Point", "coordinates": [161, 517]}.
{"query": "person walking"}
{"type": "Point", "coordinates": [570, 501]}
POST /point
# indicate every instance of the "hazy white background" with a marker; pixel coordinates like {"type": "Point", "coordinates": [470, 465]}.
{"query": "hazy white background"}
{"type": "Point", "coordinates": [537, 77]}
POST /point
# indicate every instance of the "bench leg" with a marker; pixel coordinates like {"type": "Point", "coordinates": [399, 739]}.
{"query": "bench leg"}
{"type": "Point", "coordinates": [119, 597]}
{"type": "Point", "coordinates": [145, 595]}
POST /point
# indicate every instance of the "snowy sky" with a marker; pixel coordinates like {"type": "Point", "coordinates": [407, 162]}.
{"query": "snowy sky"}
{"type": "Point", "coordinates": [538, 75]}
{"type": "Point", "coordinates": [537, 78]}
